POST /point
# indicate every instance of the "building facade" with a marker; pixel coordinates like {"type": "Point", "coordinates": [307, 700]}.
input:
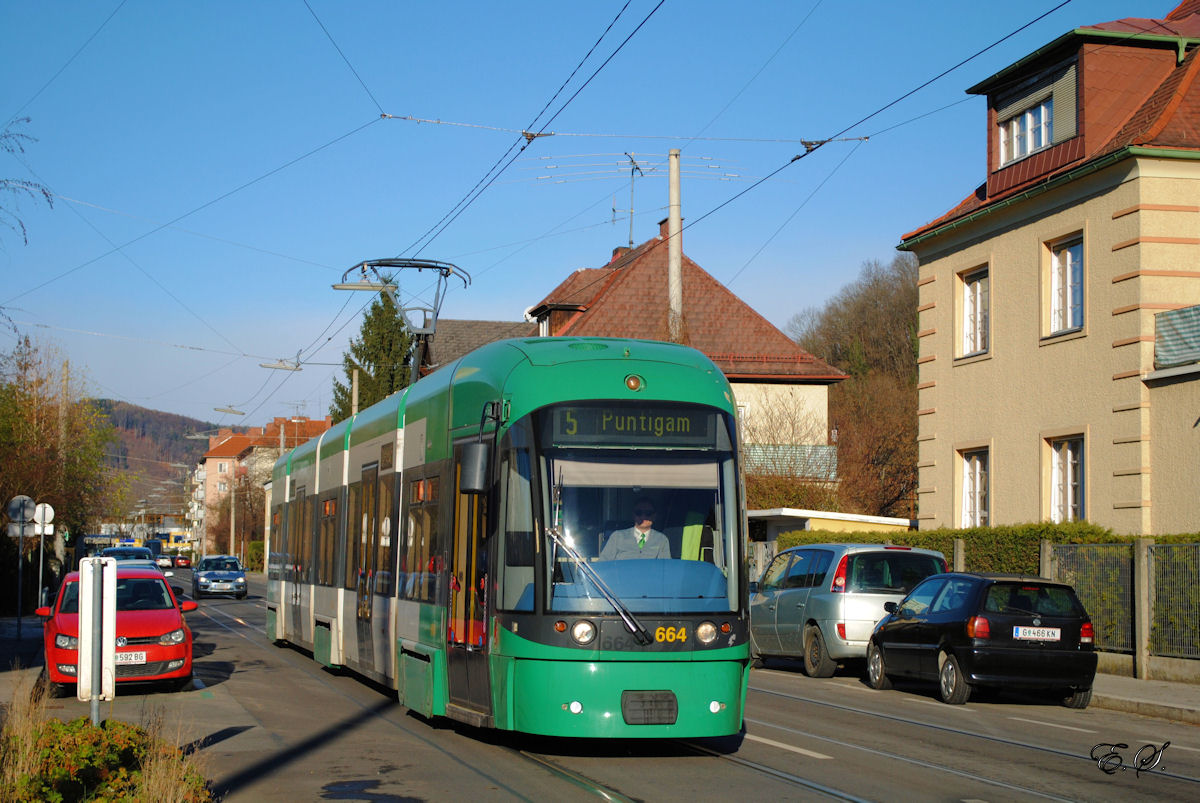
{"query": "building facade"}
{"type": "Point", "coordinates": [1040, 398]}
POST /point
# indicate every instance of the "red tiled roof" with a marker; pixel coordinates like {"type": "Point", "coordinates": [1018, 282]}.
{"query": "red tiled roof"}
{"type": "Point", "coordinates": [628, 298]}
{"type": "Point", "coordinates": [1168, 117]}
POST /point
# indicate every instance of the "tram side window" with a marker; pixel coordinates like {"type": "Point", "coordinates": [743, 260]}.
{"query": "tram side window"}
{"type": "Point", "coordinates": [306, 540]}
{"type": "Point", "coordinates": [326, 541]}
{"type": "Point", "coordinates": [353, 533]}
{"type": "Point", "coordinates": [423, 558]}
{"type": "Point", "coordinates": [278, 544]}
{"type": "Point", "coordinates": [387, 527]}
{"type": "Point", "coordinates": [295, 535]}
{"type": "Point", "coordinates": [516, 581]}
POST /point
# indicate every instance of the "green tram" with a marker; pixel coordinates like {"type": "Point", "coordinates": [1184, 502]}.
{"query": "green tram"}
{"type": "Point", "coordinates": [447, 542]}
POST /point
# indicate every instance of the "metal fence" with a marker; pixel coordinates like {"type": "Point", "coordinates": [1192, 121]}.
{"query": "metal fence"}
{"type": "Point", "coordinates": [1103, 578]}
{"type": "Point", "coordinates": [1175, 600]}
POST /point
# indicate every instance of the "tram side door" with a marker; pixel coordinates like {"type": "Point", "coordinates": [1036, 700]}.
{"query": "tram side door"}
{"type": "Point", "coordinates": [368, 546]}
{"type": "Point", "coordinates": [467, 647]}
{"type": "Point", "coordinates": [299, 535]}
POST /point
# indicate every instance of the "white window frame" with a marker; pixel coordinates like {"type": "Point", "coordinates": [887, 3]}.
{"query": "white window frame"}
{"type": "Point", "coordinates": [1026, 132]}
{"type": "Point", "coordinates": [976, 312]}
{"type": "Point", "coordinates": [1066, 286]}
{"type": "Point", "coordinates": [222, 468]}
{"type": "Point", "coordinates": [975, 496]}
{"type": "Point", "coordinates": [222, 487]}
{"type": "Point", "coordinates": [1067, 488]}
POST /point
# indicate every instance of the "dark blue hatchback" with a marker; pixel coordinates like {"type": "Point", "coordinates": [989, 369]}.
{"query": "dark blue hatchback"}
{"type": "Point", "coordinates": [968, 630]}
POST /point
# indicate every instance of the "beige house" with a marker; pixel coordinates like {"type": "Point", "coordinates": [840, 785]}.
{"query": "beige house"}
{"type": "Point", "coordinates": [1040, 398]}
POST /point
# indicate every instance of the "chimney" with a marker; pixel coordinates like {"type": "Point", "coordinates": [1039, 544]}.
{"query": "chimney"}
{"type": "Point", "coordinates": [619, 252]}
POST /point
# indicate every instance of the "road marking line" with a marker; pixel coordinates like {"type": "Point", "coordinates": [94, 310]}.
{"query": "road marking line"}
{"type": "Point", "coordinates": [1053, 725]}
{"type": "Point", "coordinates": [1173, 746]}
{"type": "Point", "coordinates": [783, 746]}
{"type": "Point", "coordinates": [941, 705]}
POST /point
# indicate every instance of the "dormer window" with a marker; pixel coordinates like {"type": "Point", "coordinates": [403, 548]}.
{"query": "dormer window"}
{"type": "Point", "coordinates": [1026, 132]}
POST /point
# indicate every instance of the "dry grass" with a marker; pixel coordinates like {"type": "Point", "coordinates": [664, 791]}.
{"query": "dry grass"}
{"type": "Point", "coordinates": [22, 722]}
{"type": "Point", "coordinates": [164, 773]}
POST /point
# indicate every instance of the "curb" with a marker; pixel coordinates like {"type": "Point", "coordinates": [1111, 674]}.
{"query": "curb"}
{"type": "Point", "coordinates": [1146, 708]}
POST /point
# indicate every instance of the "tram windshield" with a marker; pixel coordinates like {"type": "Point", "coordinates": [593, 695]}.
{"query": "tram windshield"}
{"type": "Point", "coordinates": [645, 497]}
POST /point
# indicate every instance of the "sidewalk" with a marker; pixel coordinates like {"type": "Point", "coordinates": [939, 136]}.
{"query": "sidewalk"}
{"type": "Point", "coordinates": [1179, 702]}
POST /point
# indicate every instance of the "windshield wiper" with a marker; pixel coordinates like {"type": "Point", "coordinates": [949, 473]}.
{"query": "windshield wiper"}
{"type": "Point", "coordinates": [631, 622]}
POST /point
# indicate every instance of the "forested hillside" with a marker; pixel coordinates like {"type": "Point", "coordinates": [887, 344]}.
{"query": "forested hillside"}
{"type": "Point", "coordinates": [148, 438]}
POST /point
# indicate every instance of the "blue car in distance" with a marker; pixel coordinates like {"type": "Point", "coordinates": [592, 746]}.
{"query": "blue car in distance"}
{"type": "Point", "coordinates": [218, 574]}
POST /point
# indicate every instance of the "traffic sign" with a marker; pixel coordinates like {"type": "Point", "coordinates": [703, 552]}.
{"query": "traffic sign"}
{"type": "Point", "coordinates": [18, 529]}
{"type": "Point", "coordinates": [21, 508]}
{"type": "Point", "coordinates": [43, 513]}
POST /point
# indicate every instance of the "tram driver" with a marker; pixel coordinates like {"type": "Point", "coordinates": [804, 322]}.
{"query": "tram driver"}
{"type": "Point", "coordinates": [639, 541]}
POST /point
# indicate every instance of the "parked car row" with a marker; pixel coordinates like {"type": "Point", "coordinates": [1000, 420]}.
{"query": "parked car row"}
{"type": "Point", "coordinates": [153, 641]}
{"type": "Point", "coordinates": [900, 610]}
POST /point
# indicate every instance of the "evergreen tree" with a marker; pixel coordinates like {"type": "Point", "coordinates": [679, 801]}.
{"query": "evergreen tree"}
{"type": "Point", "coordinates": [381, 355]}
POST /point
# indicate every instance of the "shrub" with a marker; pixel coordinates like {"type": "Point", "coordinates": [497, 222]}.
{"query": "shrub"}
{"type": "Point", "coordinates": [51, 760]}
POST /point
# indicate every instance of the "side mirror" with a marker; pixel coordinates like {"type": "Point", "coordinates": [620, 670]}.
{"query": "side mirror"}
{"type": "Point", "coordinates": [188, 605]}
{"type": "Point", "coordinates": [168, 574]}
{"type": "Point", "coordinates": [890, 607]}
{"type": "Point", "coordinates": [43, 612]}
{"type": "Point", "coordinates": [474, 475]}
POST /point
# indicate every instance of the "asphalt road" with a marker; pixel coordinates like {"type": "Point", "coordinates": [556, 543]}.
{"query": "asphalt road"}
{"type": "Point", "coordinates": [268, 723]}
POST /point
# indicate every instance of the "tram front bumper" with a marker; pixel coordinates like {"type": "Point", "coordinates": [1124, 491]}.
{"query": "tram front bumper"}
{"type": "Point", "coordinates": [627, 699]}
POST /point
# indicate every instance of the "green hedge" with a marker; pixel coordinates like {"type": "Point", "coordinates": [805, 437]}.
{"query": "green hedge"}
{"type": "Point", "coordinates": [1011, 549]}
{"type": "Point", "coordinates": [254, 556]}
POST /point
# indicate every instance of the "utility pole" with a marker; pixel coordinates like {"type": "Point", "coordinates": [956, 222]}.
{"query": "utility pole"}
{"type": "Point", "coordinates": [674, 254]}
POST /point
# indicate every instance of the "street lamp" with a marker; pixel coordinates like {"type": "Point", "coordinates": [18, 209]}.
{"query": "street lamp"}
{"type": "Point", "coordinates": [231, 410]}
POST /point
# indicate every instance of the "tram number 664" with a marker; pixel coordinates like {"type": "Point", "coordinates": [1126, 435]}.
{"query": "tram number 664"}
{"type": "Point", "coordinates": [670, 634]}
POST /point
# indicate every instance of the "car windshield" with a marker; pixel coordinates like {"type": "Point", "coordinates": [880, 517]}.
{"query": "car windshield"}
{"type": "Point", "coordinates": [219, 565]}
{"type": "Point", "coordinates": [133, 594]}
{"type": "Point", "coordinates": [1032, 599]}
{"type": "Point", "coordinates": [890, 571]}
{"type": "Point", "coordinates": [128, 553]}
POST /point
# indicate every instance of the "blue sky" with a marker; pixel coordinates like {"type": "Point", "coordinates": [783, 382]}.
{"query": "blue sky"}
{"type": "Point", "coordinates": [217, 166]}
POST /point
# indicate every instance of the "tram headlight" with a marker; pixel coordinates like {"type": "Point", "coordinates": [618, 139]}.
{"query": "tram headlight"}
{"type": "Point", "coordinates": [706, 632]}
{"type": "Point", "coordinates": [583, 631]}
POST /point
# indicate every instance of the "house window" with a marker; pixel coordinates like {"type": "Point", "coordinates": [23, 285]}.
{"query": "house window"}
{"type": "Point", "coordinates": [222, 486]}
{"type": "Point", "coordinates": [975, 488]}
{"type": "Point", "coordinates": [975, 312]}
{"type": "Point", "coordinates": [1066, 286]}
{"type": "Point", "coordinates": [222, 468]}
{"type": "Point", "coordinates": [1026, 131]}
{"type": "Point", "coordinates": [1066, 478]}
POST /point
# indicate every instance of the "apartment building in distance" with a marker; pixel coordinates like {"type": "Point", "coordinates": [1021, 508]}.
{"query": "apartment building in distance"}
{"type": "Point", "coordinates": [1060, 302]}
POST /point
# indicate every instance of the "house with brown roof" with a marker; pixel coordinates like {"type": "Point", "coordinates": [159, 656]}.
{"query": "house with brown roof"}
{"type": "Point", "coordinates": [781, 390]}
{"type": "Point", "coordinates": [1043, 291]}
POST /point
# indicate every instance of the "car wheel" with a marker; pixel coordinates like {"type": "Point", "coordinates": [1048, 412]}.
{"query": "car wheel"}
{"type": "Point", "coordinates": [817, 663]}
{"type": "Point", "coordinates": [1077, 698]}
{"type": "Point", "coordinates": [242, 595]}
{"type": "Point", "coordinates": [54, 690]}
{"type": "Point", "coordinates": [951, 684]}
{"type": "Point", "coordinates": [876, 675]}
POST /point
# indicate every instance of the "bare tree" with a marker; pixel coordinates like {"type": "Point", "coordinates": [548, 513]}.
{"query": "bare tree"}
{"type": "Point", "coordinates": [785, 452]}
{"type": "Point", "coordinates": [869, 330]}
{"type": "Point", "coordinates": [13, 142]}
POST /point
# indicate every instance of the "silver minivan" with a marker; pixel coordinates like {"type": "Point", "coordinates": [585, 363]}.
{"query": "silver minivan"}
{"type": "Point", "coordinates": [821, 601]}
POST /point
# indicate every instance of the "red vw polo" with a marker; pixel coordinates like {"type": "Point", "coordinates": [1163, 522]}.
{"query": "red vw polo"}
{"type": "Point", "coordinates": [154, 643]}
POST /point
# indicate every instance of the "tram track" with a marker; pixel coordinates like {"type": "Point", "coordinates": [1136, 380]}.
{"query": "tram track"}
{"type": "Point", "coordinates": [1041, 749]}
{"type": "Point", "coordinates": [591, 787]}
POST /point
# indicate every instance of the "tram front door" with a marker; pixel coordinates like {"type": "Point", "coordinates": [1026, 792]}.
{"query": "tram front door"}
{"type": "Point", "coordinates": [467, 642]}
